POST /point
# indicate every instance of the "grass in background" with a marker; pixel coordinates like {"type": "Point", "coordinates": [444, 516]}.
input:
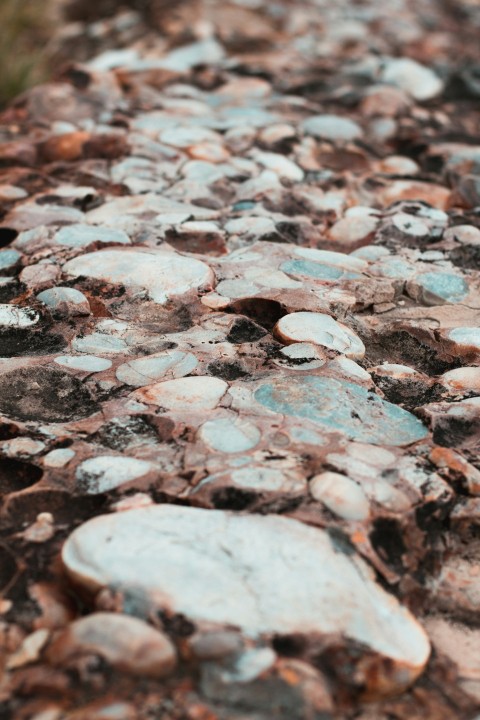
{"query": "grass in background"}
{"type": "Point", "coordinates": [24, 32]}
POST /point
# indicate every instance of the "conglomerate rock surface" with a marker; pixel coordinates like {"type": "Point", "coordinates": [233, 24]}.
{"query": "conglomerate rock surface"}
{"type": "Point", "coordinates": [240, 365]}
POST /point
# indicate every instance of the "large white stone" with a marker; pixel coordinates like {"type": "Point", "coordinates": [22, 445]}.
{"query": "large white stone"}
{"type": "Point", "coordinates": [162, 274]}
{"type": "Point", "coordinates": [320, 329]}
{"type": "Point", "coordinates": [262, 574]}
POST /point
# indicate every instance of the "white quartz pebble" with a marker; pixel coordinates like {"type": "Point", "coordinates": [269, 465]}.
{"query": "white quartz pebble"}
{"type": "Point", "coordinates": [342, 496]}
{"type": "Point", "coordinates": [320, 329]}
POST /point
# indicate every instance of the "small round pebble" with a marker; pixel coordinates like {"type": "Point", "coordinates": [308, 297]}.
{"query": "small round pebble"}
{"type": "Point", "coordinates": [127, 643]}
{"type": "Point", "coordinates": [342, 496]}
{"type": "Point", "coordinates": [58, 458]}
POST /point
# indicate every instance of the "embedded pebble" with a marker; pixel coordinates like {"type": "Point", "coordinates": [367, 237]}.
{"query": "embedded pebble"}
{"type": "Point", "coordinates": [335, 259]}
{"type": "Point", "coordinates": [466, 338]}
{"type": "Point", "coordinates": [322, 330]}
{"type": "Point", "coordinates": [66, 300]}
{"type": "Point", "coordinates": [85, 363]}
{"type": "Point", "coordinates": [229, 435]}
{"type": "Point", "coordinates": [107, 472]}
{"type": "Point", "coordinates": [343, 407]}
{"type": "Point", "coordinates": [463, 234]}
{"type": "Point", "coordinates": [437, 287]}
{"type": "Point", "coordinates": [332, 127]}
{"type": "Point", "coordinates": [170, 364]}
{"type": "Point", "coordinates": [341, 495]}
{"type": "Point", "coordinates": [271, 584]}
{"type": "Point", "coordinates": [99, 343]}
{"type": "Point", "coordinates": [465, 379]}
{"type": "Point", "coordinates": [126, 643]}
{"type": "Point", "coordinates": [188, 393]}
{"type": "Point", "coordinates": [410, 225]}
{"type": "Point", "coordinates": [281, 165]}
{"type": "Point", "coordinates": [58, 458]}
{"type": "Point", "coordinates": [350, 231]}
{"type": "Point", "coordinates": [417, 80]}
{"type": "Point", "coordinates": [9, 258]}
{"type": "Point", "coordinates": [78, 236]}
{"type": "Point", "coordinates": [163, 275]}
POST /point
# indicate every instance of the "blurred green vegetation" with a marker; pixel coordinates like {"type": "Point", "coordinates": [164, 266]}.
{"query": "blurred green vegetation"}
{"type": "Point", "coordinates": [25, 27]}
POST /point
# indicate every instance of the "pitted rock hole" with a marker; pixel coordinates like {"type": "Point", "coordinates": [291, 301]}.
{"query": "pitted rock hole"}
{"type": "Point", "coordinates": [16, 475]}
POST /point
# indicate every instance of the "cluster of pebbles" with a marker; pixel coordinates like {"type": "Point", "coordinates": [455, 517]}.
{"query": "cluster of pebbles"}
{"type": "Point", "coordinates": [240, 366]}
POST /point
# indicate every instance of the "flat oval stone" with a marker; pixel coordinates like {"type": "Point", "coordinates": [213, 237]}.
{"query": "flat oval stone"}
{"type": "Point", "coordinates": [106, 472]}
{"type": "Point", "coordinates": [100, 343]}
{"type": "Point", "coordinates": [188, 393]}
{"type": "Point", "coordinates": [261, 574]}
{"type": "Point", "coordinates": [85, 363]}
{"type": "Point", "coordinates": [127, 643]}
{"type": "Point", "coordinates": [58, 458]}
{"type": "Point", "coordinates": [332, 127]}
{"type": "Point", "coordinates": [82, 235]}
{"type": "Point", "coordinates": [344, 407]}
{"type": "Point", "coordinates": [319, 329]}
{"type": "Point", "coordinates": [162, 274]}
{"type": "Point", "coordinates": [335, 259]}
{"type": "Point", "coordinates": [342, 496]}
{"type": "Point", "coordinates": [145, 371]}
{"type": "Point", "coordinates": [311, 269]}
{"type": "Point", "coordinates": [230, 435]}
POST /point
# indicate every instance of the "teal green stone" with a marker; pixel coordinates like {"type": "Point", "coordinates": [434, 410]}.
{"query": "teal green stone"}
{"type": "Point", "coordinates": [311, 269]}
{"type": "Point", "coordinates": [448, 287]}
{"type": "Point", "coordinates": [344, 407]}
